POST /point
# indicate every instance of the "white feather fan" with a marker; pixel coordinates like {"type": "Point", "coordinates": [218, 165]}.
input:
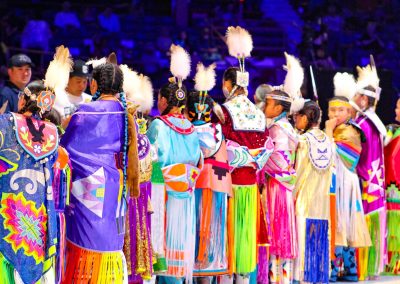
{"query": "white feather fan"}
{"type": "Point", "coordinates": [57, 74]}
{"type": "Point", "coordinates": [180, 62]}
{"type": "Point", "coordinates": [138, 89]}
{"type": "Point", "coordinates": [205, 77]}
{"type": "Point", "coordinates": [345, 85]}
{"type": "Point", "coordinates": [239, 41]}
{"type": "Point", "coordinates": [293, 82]}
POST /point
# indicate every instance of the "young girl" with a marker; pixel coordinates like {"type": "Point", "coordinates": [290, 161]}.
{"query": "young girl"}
{"type": "Point", "coordinates": [179, 155]}
{"type": "Point", "coordinates": [314, 164]}
{"type": "Point", "coordinates": [28, 155]}
{"type": "Point", "coordinates": [97, 139]}
{"type": "Point", "coordinates": [392, 167]}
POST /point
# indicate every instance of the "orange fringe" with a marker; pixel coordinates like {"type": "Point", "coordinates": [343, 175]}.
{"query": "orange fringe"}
{"type": "Point", "coordinates": [231, 236]}
{"type": "Point", "coordinates": [87, 266]}
{"type": "Point", "coordinates": [205, 226]}
{"type": "Point", "coordinates": [332, 202]}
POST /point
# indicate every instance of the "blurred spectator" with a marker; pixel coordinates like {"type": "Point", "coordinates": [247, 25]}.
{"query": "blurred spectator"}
{"type": "Point", "coordinates": [109, 21]}
{"type": "Point", "coordinates": [66, 17]}
{"type": "Point", "coordinates": [164, 40]}
{"type": "Point", "coordinates": [36, 34]}
{"type": "Point", "coordinates": [370, 41]}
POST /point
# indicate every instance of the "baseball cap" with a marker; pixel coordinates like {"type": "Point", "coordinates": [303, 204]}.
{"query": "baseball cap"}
{"type": "Point", "coordinates": [19, 60]}
{"type": "Point", "coordinates": [80, 69]}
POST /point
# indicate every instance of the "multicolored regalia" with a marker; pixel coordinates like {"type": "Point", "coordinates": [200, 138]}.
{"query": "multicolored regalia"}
{"type": "Point", "coordinates": [213, 187]}
{"type": "Point", "coordinates": [392, 175]}
{"type": "Point", "coordinates": [137, 245]}
{"type": "Point", "coordinates": [314, 165]}
{"type": "Point", "coordinates": [281, 178]}
{"type": "Point", "coordinates": [95, 216]}
{"type": "Point", "coordinates": [371, 172]}
{"type": "Point", "coordinates": [178, 151]}
{"type": "Point", "coordinates": [248, 150]}
{"type": "Point", "coordinates": [28, 231]}
{"type": "Point", "coordinates": [351, 227]}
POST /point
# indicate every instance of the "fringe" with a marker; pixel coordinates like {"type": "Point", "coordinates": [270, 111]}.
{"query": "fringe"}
{"type": "Point", "coordinates": [231, 236]}
{"type": "Point", "coordinates": [245, 228]}
{"type": "Point", "coordinates": [60, 259]}
{"type": "Point", "coordinates": [263, 265]}
{"type": "Point", "coordinates": [393, 241]}
{"type": "Point", "coordinates": [91, 266]}
{"type": "Point", "coordinates": [316, 264]}
{"type": "Point", "coordinates": [6, 271]}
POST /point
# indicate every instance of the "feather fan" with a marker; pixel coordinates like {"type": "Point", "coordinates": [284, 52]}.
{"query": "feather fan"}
{"type": "Point", "coordinates": [293, 82]}
{"type": "Point", "coordinates": [96, 62]}
{"type": "Point", "coordinates": [367, 76]}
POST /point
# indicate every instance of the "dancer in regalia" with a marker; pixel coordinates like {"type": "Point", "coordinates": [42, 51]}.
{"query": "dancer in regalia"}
{"type": "Point", "coordinates": [179, 156]}
{"type": "Point", "coordinates": [281, 174]}
{"type": "Point", "coordinates": [137, 245]}
{"type": "Point", "coordinates": [314, 165]}
{"type": "Point", "coordinates": [214, 185]}
{"type": "Point", "coordinates": [371, 172]}
{"type": "Point", "coordinates": [392, 176]}
{"type": "Point", "coordinates": [28, 156]}
{"type": "Point", "coordinates": [102, 179]}
{"type": "Point", "coordinates": [248, 150]}
{"type": "Point", "coordinates": [351, 228]}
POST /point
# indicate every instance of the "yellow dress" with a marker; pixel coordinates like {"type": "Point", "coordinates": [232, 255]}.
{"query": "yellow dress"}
{"type": "Point", "coordinates": [314, 167]}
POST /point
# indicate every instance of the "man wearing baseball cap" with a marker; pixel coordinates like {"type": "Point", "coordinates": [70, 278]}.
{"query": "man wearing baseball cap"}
{"type": "Point", "coordinates": [74, 95]}
{"type": "Point", "coordinates": [19, 73]}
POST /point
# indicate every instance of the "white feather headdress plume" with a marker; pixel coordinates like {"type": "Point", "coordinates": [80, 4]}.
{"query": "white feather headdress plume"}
{"type": "Point", "coordinates": [138, 89]}
{"type": "Point", "coordinates": [368, 76]}
{"type": "Point", "coordinates": [239, 41]}
{"type": "Point", "coordinates": [345, 85]}
{"type": "Point", "coordinates": [57, 74]}
{"type": "Point", "coordinates": [205, 77]}
{"type": "Point", "coordinates": [180, 63]}
{"type": "Point", "coordinates": [96, 62]}
{"type": "Point", "coordinates": [293, 82]}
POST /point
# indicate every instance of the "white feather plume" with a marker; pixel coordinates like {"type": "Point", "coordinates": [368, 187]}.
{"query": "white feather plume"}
{"type": "Point", "coordinates": [294, 77]}
{"type": "Point", "coordinates": [138, 89]}
{"type": "Point", "coordinates": [96, 62]}
{"type": "Point", "coordinates": [205, 77]}
{"type": "Point", "coordinates": [367, 76]}
{"type": "Point", "coordinates": [57, 74]}
{"type": "Point", "coordinates": [239, 42]}
{"type": "Point", "coordinates": [180, 62]}
{"type": "Point", "coordinates": [345, 85]}
{"type": "Point", "coordinates": [297, 105]}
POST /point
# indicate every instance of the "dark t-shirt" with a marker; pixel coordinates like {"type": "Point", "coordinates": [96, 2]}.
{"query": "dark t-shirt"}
{"type": "Point", "coordinates": [9, 93]}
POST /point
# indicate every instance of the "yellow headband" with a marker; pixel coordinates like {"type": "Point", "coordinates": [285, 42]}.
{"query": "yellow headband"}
{"type": "Point", "coordinates": [339, 103]}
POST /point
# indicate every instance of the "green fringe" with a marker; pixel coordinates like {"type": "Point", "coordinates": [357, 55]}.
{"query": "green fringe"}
{"type": "Point", "coordinates": [393, 226]}
{"type": "Point", "coordinates": [6, 271]}
{"type": "Point", "coordinates": [373, 251]}
{"type": "Point", "coordinates": [245, 228]}
{"type": "Point", "coordinates": [156, 175]}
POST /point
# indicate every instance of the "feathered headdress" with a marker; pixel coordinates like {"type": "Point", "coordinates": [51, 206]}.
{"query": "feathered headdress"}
{"type": "Point", "coordinates": [368, 76]}
{"type": "Point", "coordinates": [293, 82]}
{"type": "Point", "coordinates": [180, 68]}
{"type": "Point", "coordinates": [56, 79]}
{"type": "Point", "coordinates": [138, 89]}
{"type": "Point", "coordinates": [204, 82]}
{"type": "Point", "coordinates": [345, 85]}
{"type": "Point", "coordinates": [240, 45]}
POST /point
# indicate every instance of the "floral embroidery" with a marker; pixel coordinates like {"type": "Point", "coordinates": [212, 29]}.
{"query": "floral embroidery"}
{"type": "Point", "coordinates": [26, 225]}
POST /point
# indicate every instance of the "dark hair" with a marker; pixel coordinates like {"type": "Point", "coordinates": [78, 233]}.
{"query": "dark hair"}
{"type": "Point", "coordinates": [340, 98]}
{"type": "Point", "coordinates": [230, 75]}
{"type": "Point", "coordinates": [54, 117]}
{"type": "Point", "coordinates": [313, 113]}
{"type": "Point", "coordinates": [109, 78]}
{"type": "Point", "coordinates": [285, 105]}
{"type": "Point", "coordinates": [193, 99]}
{"type": "Point", "coordinates": [35, 87]}
{"type": "Point", "coordinates": [168, 91]}
{"type": "Point", "coordinates": [371, 100]}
